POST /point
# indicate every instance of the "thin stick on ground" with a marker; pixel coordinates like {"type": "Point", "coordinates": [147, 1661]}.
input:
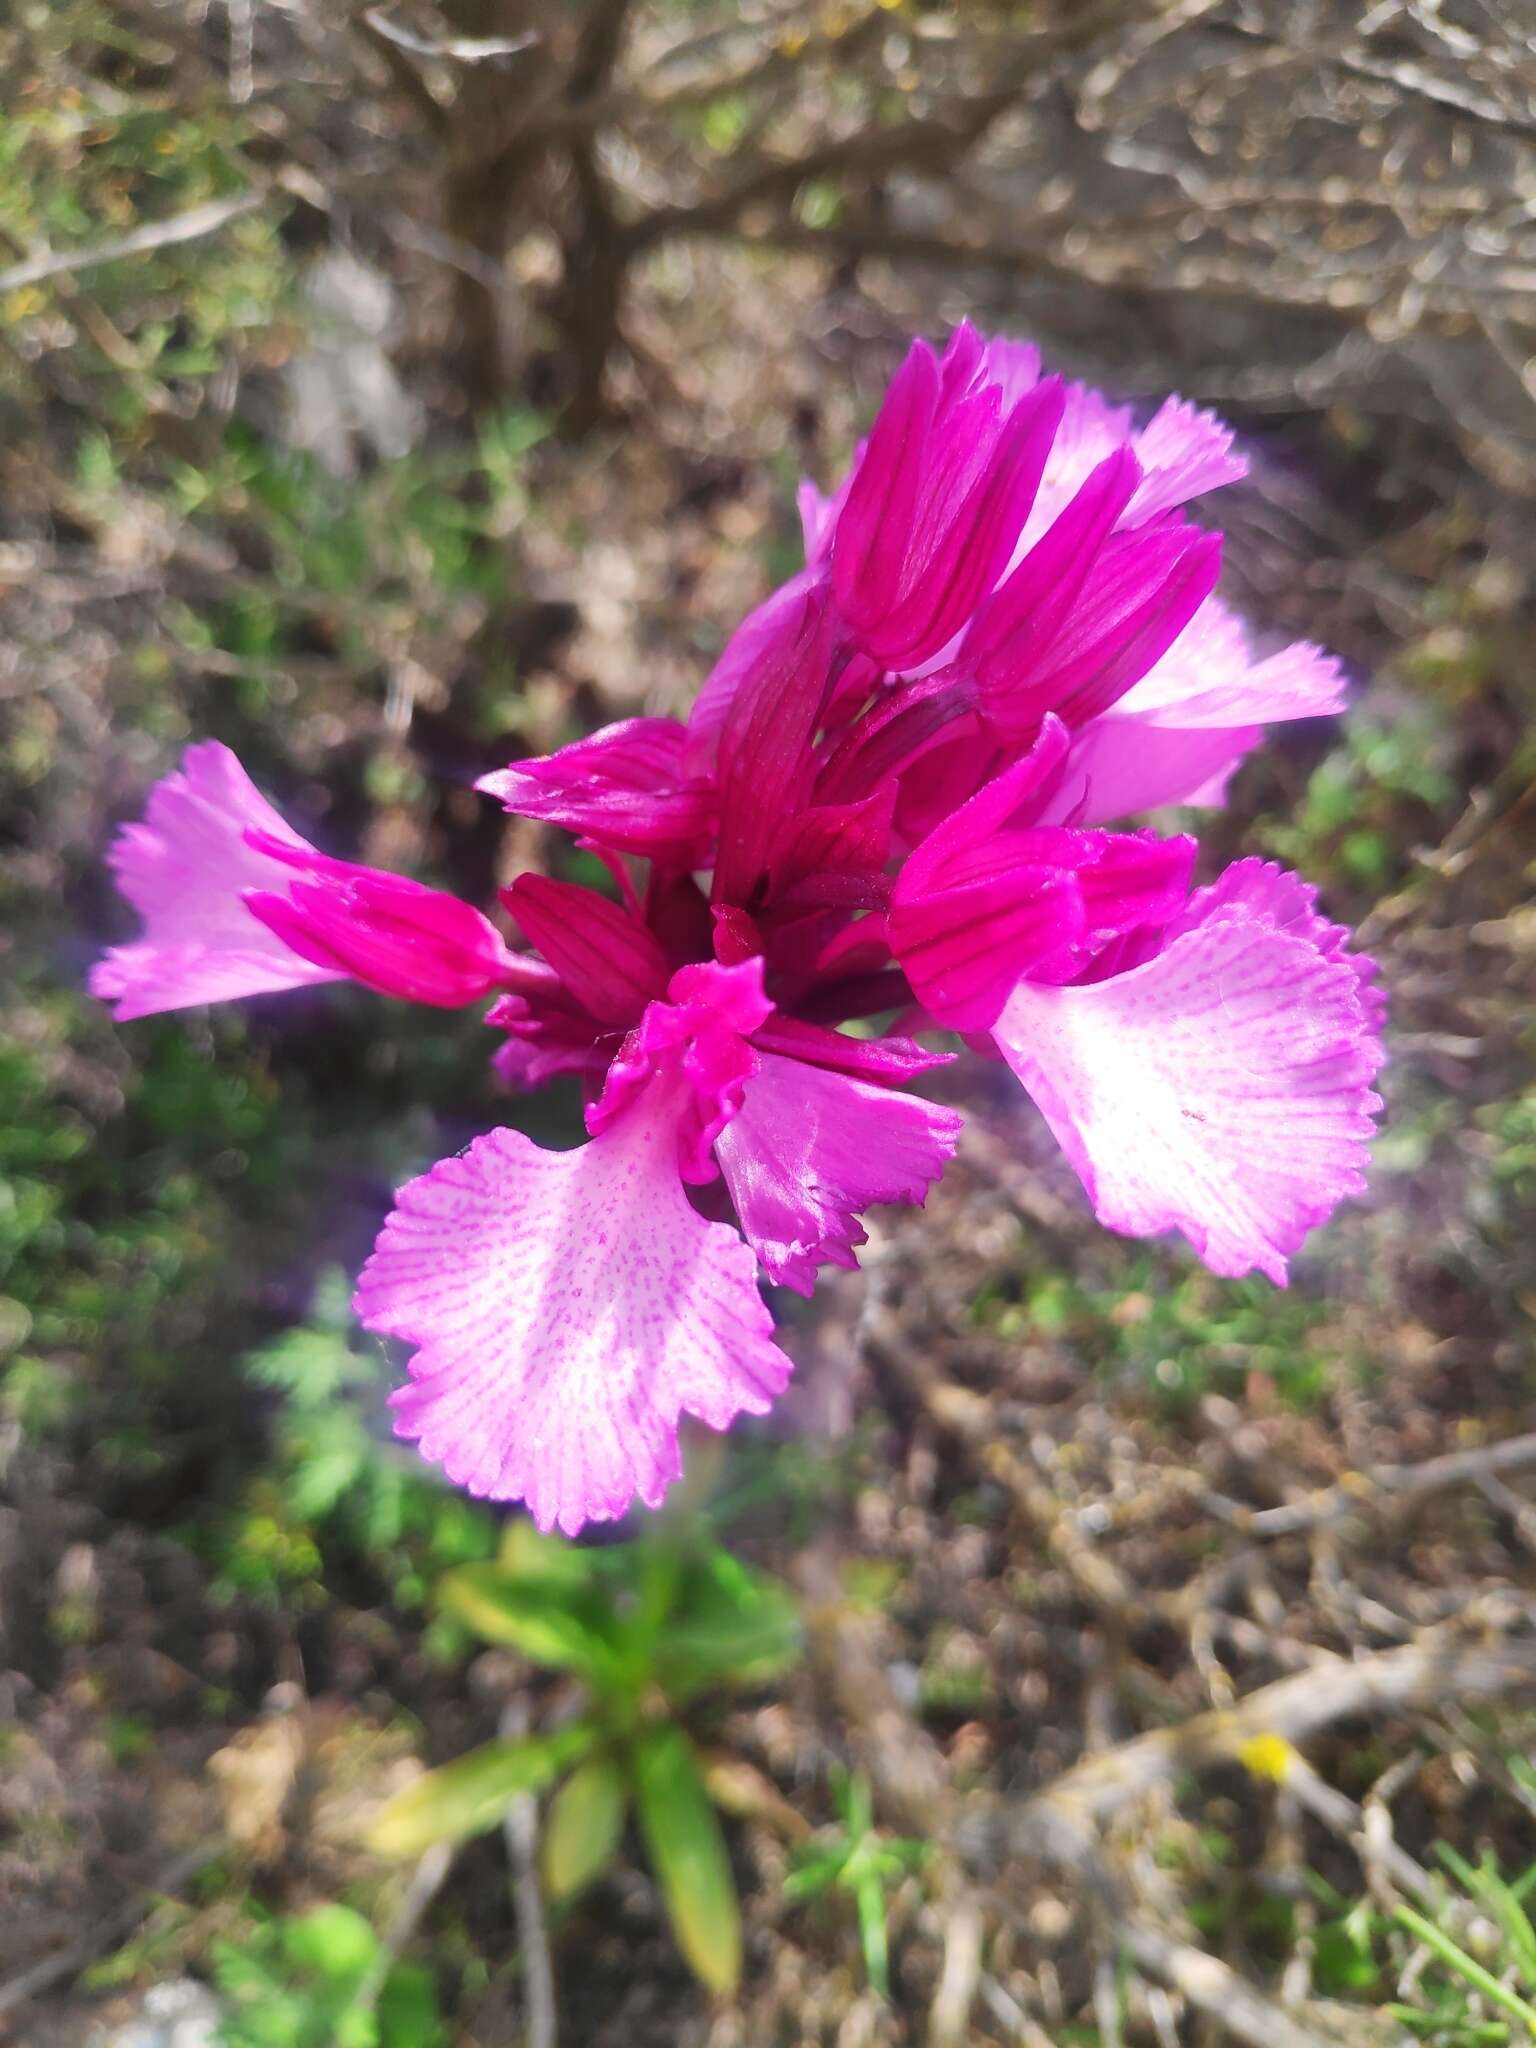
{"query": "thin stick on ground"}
{"type": "Point", "coordinates": [109, 1933]}
{"type": "Point", "coordinates": [1423, 1675]}
{"type": "Point", "coordinates": [1380, 1485]}
{"type": "Point", "coordinates": [949, 2016]}
{"type": "Point", "coordinates": [1211, 1987]}
{"type": "Point", "coordinates": [427, 1881]}
{"type": "Point", "coordinates": [190, 226]}
{"type": "Point", "coordinates": [520, 1829]}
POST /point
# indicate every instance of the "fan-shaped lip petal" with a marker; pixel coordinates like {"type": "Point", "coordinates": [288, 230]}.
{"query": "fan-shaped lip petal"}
{"type": "Point", "coordinates": [1221, 1088]}
{"type": "Point", "coordinates": [567, 1309]}
{"type": "Point", "coordinates": [1259, 889]}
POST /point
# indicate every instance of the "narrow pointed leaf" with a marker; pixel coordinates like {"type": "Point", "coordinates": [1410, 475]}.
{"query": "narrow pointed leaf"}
{"type": "Point", "coordinates": [528, 1555]}
{"type": "Point", "coordinates": [582, 1831]}
{"type": "Point", "coordinates": [563, 1627]}
{"type": "Point", "coordinates": [688, 1854]}
{"type": "Point", "coordinates": [471, 1794]}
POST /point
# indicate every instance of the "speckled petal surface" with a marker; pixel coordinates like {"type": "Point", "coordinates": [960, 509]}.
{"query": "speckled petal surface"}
{"type": "Point", "coordinates": [1222, 1088]}
{"type": "Point", "coordinates": [568, 1308]}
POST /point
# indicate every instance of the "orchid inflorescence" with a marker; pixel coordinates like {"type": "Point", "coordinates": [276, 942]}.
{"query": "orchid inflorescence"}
{"type": "Point", "coordinates": [886, 814]}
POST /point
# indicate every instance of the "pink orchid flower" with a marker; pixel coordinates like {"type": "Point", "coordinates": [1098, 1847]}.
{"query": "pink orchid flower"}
{"type": "Point", "coordinates": [891, 800]}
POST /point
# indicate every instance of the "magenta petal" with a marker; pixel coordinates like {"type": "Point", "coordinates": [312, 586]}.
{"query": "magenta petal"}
{"type": "Point", "coordinates": [568, 1308]}
{"type": "Point", "coordinates": [962, 950]}
{"type": "Point", "coordinates": [1037, 597]}
{"type": "Point", "coordinates": [809, 1149]}
{"type": "Point", "coordinates": [1260, 889]}
{"type": "Point", "coordinates": [393, 935]}
{"type": "Point", "coordinates": [1121, 766]}
{"type": "Point", "coordinates": [1177, 734]}
{"type": "Point", "coordinates": [887, 1059]}
{"type": "Point", "coordinates": [605, 956]}
{"type": "Point", "coordinates": [625, 788]}
{"type": "Point", "coordinates": [759, 637]}
{"type": "Point", "coordinates": [852, 839]}
{"type": "Point", "coordinates": [765, 761]}
{"type": "Point", "coordinates": [693, 1046]}
{"type": "Point", "coordinates": [937, 501]}
{"type": "Point", "coordinates": [967, 529]}
{"type": "Point", "coordinates": [894, 737]}
{"type": "Point", "coordinates": [1222, 1088]}
{"type": "Point", "coordinates": [184, 869]}
{"type": "Point", "coordinates": [870, 545]}
{"type": "Point", "coordinates": [545, 1040]}
{"type": "Point", "coordinates": [1143, 590]}
{"type": "Point", "coordinates": [1132, 882]}
{"type": "Point", "coordinates": [1184, 452]}
{"type": "Point", "coordinates": [1208, 678]}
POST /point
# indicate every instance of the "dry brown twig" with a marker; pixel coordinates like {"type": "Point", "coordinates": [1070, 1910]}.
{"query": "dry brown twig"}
{"type": "Point", "coordinates": [1420, 1676]}
{"type": "Point", "coordinates": [520, 1830]}
{"type": "Point", "coordinates": [1067, 1824]}
{"type": "Point", "coordinates": [190, 226]}
{"type": "Point", "coordinates": [1380, 1487]}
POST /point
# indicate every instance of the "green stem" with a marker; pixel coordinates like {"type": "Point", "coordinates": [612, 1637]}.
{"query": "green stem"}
{"type": "Point", "coordinates": [1473, 1972]}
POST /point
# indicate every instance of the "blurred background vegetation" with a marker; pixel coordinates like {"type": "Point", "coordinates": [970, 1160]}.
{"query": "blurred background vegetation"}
{"type": "Point", "coordinates": [392, 391]}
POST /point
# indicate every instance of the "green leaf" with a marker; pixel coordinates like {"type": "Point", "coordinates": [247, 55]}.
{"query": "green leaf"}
{"type": "Point", "coordinates": [870, 1896]}
{"type": "Point", "coordinates": [688, 1855]}
{"type": "Point", "coordinates": [731, 1623]}
{"type": "Point", "coordinates": [563, 1628]}
{"type": "Point", "coordinates": [408, 2016]}
{"type": "Point", "coordinates": [471, 1794]}
{"type": "Point", "coordinates": [333, 1940]}
{"type": "Point", "coordinates": [819, 1869]}
{"type": "Point", "coordinates": [526, 1553]}
{"type": "Point", "coordinates": [586, 1819]}
{"type": "Point", "coordinates": [1466, 1967]}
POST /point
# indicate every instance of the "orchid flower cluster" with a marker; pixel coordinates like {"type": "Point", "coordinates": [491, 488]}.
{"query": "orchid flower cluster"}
{"type": "Point", "coordinates": [894, 809]}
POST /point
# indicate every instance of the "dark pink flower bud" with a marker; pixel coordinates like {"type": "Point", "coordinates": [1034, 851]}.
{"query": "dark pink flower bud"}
{"type": "Point", "coordinates": [938, 500]}
{"type": "Point", "coordinates": [391, 934]}
{"type": "Point", "coordinates": [603, 954]}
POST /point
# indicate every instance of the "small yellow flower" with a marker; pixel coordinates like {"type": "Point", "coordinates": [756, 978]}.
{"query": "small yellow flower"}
{"type": "Point", "coordinates": [1267, 1756]}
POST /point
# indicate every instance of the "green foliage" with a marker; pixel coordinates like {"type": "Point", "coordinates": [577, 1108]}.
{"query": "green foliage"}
{"type": "Point", "coordinates": [857, 1859]}
{"type": "Point", "coordinates": [97, 148]}
{"type": "Point", "coordinates": [649, 1628]}
{"type": "Point", "coordinates": [336, 1488]}
{"type": "Point", "coordinates": [632, 1619]}
{"type": "Point", "coordinates": [472, 1793]}
{"type": "Point", "coordinates": [1368, 797]}
{"type": "Point", "coordinates": [371, 562]}
{"type": "Point", "coordinates": [321, 1978]}
{"type": "Point", "coordinates": [1455, 1971]}
{"type": "Point", "coordinates": [1178, 1335]}
{"type": "Point", "coordinates": [584, 1826]}
{"type": "Point", "coordinates": [688, 1853]}
{"type": "Point", "coordinates": [1481, 1984]}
